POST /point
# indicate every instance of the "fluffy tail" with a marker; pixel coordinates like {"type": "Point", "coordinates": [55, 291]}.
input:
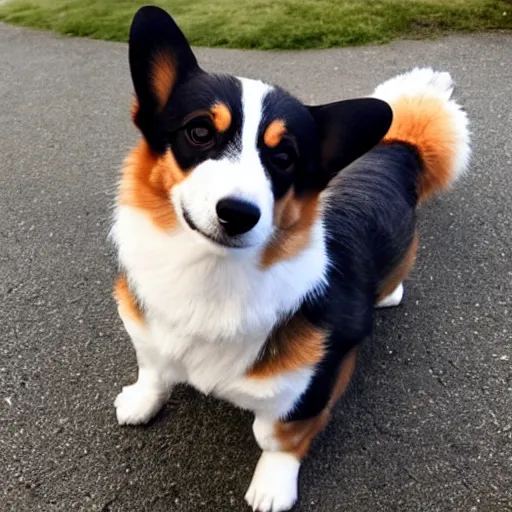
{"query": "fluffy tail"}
{"type": "Point", "coordinates": [425, 117]}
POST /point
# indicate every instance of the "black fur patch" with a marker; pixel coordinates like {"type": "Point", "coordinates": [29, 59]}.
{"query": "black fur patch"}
{"type": "Point", "coordinates": [370, 222]}
{"type": "Point", "coordinates": [325, 139]}
{"type": "Point", "coordinates": [301, 139]}
{"type": "Point", "coordinates": [154, 34]}
{"type": "Point", "coordinates": [348, 129]}
{"type": "Point", "coordinates": [200, 93]}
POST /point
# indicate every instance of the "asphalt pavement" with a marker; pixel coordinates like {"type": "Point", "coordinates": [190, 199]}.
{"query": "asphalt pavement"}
{"type": "Point", "coordinates": [427, 423]}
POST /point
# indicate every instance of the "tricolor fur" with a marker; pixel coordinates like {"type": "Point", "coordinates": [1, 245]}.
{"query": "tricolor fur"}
{"type": "Point", "coordinates": [250, 265]}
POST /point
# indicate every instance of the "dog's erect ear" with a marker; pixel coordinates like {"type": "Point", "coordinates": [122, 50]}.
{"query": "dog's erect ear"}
{"type": "Point", "coordinates": [348, 129]}
{"type": "Point", "coordinates": [160, 57]}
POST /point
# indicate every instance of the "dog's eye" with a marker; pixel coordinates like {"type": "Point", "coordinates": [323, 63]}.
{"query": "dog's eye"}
{"type": "Point", "coordinates": [200, 134]}
{"type": "Point", "coordinates": [283, 159]}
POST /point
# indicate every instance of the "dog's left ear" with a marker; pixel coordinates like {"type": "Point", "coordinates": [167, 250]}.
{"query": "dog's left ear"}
{"type": "Point", "coordinates": [160, 58]}
{"type": "Point", "coordinates": [348, 129]}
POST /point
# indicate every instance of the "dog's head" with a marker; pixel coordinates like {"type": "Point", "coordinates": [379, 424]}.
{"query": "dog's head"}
{"type": "Point", "coordinates": [239, 160]}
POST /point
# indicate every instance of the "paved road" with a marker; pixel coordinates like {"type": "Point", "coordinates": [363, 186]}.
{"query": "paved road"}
{"type": "Point", "coordinates": [427, 425]}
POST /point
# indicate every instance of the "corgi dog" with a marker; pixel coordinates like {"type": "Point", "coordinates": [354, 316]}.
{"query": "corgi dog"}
{"type": "Point", "coordinates": [256, 235]}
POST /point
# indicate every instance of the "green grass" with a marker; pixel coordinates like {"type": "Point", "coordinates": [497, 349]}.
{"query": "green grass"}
{"type": "Point", "coordinates": [270, 24]}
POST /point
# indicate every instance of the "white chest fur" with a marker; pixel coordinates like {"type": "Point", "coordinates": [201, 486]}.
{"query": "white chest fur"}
{"type": "Point", "coordinates": [209, 314]}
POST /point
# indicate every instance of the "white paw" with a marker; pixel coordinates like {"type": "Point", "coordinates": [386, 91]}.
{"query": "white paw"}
{"type": "Point", "coordinates": [393, 299]}
{"type": "Point", "coordinates": [137, 404]}
{"type": "Point", "coordinates": [274, 484]}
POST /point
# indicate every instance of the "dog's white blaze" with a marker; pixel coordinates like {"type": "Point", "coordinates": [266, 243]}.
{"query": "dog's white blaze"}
{"type": "Point", "coordinates": [253, 94]}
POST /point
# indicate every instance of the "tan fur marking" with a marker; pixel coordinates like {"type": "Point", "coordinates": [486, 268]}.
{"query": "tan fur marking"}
{"type": "Point", "coordinates": [400, 272]}
{"type": "Point", "coordinates": [163, 78]}
{"type": "Point", "coordinates": [274, 133]}
{"type": "Point", "coordinates": [348, 365]}
{"type": "Point", "coordinates": [287, 211]}
{"type": "Point", "coordinates": [425, 123]}
{"type": "Point", "coordinates": [135, 109]}
{"type": "Point", "coordinates": [295, 437]}
{"type": "Point", "coordinates": [146, 183]}
{"type": "Point", "coordinates": [221, 116]}
{"type": "Point", "coordinates": [294, 218]}
{"type": "Point", "coordinates": [126, 302]}
{"type": "Point", "coordinates": [294, 346]}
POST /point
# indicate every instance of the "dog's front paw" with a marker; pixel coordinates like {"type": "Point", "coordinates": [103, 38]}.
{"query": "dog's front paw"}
{"type": "Point", "coordinates": [137, 404]}
{"type": "Point", "coordinates": [274, 484]}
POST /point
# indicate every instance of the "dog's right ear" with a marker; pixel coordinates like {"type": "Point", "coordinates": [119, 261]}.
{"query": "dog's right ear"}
{"type": "Point", "coordinates": [160, 58]}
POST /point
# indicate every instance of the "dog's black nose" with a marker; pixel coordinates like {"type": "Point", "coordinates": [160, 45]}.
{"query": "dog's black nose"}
{"type": "Point", "coordinates": [237, 216]}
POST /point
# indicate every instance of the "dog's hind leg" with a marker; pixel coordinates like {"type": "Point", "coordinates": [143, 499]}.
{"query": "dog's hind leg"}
{"type": "Point", "coordinates": [285, 443]}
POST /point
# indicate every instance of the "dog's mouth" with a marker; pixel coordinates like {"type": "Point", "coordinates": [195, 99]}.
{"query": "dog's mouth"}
{"type": "Point", "coordinates": [231, 243]}
{"type": "Point", "coordinates": [191, 224]}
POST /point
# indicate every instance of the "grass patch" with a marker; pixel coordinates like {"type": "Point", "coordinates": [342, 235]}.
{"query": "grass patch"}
{"type": "Point", "coordinates": [269, 24]}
